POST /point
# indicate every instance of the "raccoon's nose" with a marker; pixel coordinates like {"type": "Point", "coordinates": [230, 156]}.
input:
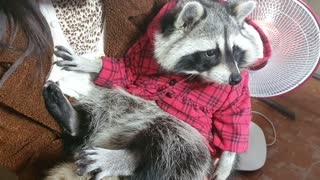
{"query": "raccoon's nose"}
{"type": "Point", "coordinates": [235, 79]}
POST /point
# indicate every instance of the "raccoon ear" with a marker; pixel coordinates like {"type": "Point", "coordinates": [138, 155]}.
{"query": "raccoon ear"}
{"type": "Point", "coordinates": [190, 14]}
{"type": "Point", "coordinates": [241, 10]}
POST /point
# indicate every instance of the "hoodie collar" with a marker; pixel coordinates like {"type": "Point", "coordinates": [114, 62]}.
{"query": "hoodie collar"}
{"type": "Point", "coordinates": [267, 50]}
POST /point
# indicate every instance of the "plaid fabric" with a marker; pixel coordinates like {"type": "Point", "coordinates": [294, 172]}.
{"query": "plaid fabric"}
{"type": "Point", "coordinates": [221, 113]}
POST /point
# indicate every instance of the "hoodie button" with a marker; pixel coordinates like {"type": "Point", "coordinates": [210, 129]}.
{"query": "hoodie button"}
{"type": "Point", "coordinates": [173, 82]}
{"type": "Point", "coordinates": [169, 95]}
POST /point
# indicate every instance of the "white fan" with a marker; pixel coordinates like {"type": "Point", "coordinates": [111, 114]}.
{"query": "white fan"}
{"type": "Point", "coordinates": [293, 30]}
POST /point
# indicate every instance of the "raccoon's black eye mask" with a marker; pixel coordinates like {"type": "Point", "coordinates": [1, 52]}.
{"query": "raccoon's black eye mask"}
{"type": "Point", "coordinates": [239, 55]}
{"type": "Point", "coordinates": [199, 61]}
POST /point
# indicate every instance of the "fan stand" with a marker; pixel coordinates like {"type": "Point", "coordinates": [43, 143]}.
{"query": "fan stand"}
{"type": "Point", "coordinates": [280, 108]}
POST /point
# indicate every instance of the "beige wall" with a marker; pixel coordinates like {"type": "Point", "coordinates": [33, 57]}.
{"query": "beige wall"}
{"type": "Point", "coordinates": [315, 5]}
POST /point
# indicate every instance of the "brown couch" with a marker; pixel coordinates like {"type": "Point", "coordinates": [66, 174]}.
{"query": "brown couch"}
{"type": "Point", "coordinates": [29, 136]}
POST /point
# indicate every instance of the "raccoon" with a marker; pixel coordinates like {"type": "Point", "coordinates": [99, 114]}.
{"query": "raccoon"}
{"type": "Point", "coordinates": [110, 132]}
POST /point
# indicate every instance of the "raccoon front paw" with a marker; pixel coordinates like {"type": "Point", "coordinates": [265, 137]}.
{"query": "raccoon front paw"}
{"type": "Point", "coordinates": [99, 163]}
{"type": "Point", "coordinates": [72, 62]}
{"type": "Point", "coordinates": [225, 165]}
{"type": "Point", "coordinates": [87, 162]}
{"type": "Point", "coordinates": [222, 173]}
{"type": "Point", "coordinates": [69, 62]}
{"type": "Point", "coordinates": [221, 176]}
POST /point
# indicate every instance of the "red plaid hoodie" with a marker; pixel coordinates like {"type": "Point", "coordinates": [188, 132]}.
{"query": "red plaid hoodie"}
{"type": "Point", "coordinates": [221, 113]}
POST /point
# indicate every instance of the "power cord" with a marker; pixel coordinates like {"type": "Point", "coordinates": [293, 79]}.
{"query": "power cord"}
{"type": "Point", "coordinates": [272, 125]}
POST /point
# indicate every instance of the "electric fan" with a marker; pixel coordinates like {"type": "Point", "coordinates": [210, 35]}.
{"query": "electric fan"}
{"type": "Point", "coordinates": [293, 30]}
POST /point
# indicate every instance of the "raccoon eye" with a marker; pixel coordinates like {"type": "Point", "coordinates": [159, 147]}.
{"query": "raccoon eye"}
{"type": "Point", "coordinates": [236, 49]}
{"type": "Point", "coordinates": [211, 52]}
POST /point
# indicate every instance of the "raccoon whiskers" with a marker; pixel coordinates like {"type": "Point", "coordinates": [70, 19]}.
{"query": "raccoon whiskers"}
{"type": "Point", "coordinates": [190, 77]}
{"type": "Point", "coordinates": [237, 66]}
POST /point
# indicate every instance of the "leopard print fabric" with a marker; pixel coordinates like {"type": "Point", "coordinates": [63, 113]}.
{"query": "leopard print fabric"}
{"type": "Point", "coordinates": [82, 23]}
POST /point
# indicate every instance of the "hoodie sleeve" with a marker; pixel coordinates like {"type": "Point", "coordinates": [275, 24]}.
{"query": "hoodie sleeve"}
{"type": "Point", "coordinates": [113, 73]}
{"type": "Point", "coordinates": [232, 122]}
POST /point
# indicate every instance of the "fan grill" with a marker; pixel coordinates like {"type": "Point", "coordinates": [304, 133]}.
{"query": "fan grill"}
{"type": "Point", "coordinates": [295, 39]}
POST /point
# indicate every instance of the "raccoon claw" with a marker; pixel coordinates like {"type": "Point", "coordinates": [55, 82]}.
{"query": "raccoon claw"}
{"type": "Point", "coordinates": [83, 154]}
{"type": "Point", "coordinates": [74, 68]}
{"type": "Point", "coordinates": [62, 48]}
{"type": "Point", "coordinates": [68, 59]}
{"type": "Point", "coordinates": [63, 53]}
{"type": "Point", "coordinates": [65, 63]}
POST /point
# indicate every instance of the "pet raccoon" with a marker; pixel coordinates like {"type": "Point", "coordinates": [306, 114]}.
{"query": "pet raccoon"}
{"type": "Point", "coordinates": [114, 133]}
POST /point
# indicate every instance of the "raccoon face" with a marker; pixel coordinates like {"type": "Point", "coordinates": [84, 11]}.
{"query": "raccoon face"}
{"type": "Point", "coordinates": [208, 39]}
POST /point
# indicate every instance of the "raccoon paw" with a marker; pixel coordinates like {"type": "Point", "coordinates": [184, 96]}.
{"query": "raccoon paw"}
{"type": "Point", "coordinates": [99, 163]}
{"type": "Point", "coordinates": [221, 176]}
{"type": "Point", "coordinates": [60, 108]}
{"type": "Point", "coordinates": [55, 101]}
{"type": "Point", "coordinates": [225, 165]}
{"type": "Point", "coordinates": [72, 62]}
{"type": "Point", "coordinates": [222, 173]}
